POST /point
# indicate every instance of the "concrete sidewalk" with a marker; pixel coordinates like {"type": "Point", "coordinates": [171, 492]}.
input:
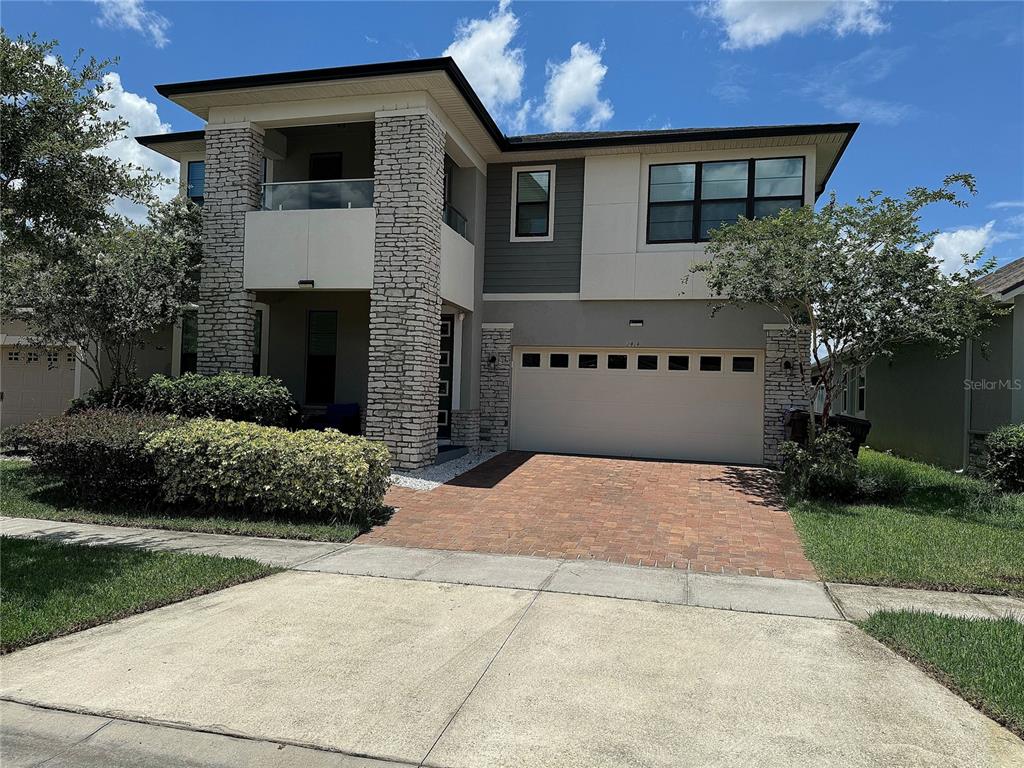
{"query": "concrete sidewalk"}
{"type": "Point", "coordinates": [787, 597]}
{"type": "Point", "coordinates": [438, 674]}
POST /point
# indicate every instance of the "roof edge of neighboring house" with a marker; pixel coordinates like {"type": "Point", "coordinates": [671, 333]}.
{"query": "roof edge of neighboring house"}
{"type": "Point", "coordinates": [168, 138]}
{"type": "Point", "coordinates": [526, 143]}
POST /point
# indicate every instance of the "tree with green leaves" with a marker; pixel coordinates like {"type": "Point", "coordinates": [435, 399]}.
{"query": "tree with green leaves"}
{"type": "Point", "coordinates": [73, 271]}
{"type": "Point", "coordinates": [860, 278]}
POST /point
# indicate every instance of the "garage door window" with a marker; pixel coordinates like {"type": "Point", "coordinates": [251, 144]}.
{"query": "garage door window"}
{"type": "Point", "coordinates": [588, 361]}
{"type": "Point", "coordinates": [617, 362]}
{"type": "Point", "coordinates": [531, 360]}
{"type": "Point", "coordinates": [647, 362]}
{"type": "Point", "coordinates": [558, 360]}
{"type": "Point", "coordinates": [710, 363]}
{"type": "Point", "coordinates": [743, 365]}
{"type": "Point", "coordinates": [13, 356]}
{"type": "Point", "coordinates": [679, 362]}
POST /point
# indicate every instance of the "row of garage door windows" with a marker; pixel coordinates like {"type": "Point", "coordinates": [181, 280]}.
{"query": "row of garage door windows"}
{"type": "Point", "coordinates": [14, 356]}
{"type": "Point", "coordinates": [620, 362]}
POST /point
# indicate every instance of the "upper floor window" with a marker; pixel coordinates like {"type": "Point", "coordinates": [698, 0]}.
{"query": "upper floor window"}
{"type": "Point", "coordinates": [196, 181]}
{"type": "Point", "coordinates": [686, 201]}
{"type": "Point", "coordinates": [533, 194]}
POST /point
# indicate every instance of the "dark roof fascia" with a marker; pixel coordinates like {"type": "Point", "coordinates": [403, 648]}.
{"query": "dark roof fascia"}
{"type": "Point", "coordinates": [447, 65]}
{"type": "Point", "coordinates": [412, 67]}
{"type": "Point", "coordinates": [168, 138]}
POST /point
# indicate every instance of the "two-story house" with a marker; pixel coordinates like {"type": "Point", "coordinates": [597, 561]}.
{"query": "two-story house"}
{"type": "Point", "coordinates": [372, 237]}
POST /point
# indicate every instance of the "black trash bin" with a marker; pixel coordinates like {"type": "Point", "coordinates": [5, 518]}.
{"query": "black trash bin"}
{"type": "Point", "coordinates": [797, 421]}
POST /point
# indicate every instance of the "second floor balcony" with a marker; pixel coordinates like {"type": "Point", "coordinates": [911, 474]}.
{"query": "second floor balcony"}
{"type": "Point", "coordinates": [317, 195]}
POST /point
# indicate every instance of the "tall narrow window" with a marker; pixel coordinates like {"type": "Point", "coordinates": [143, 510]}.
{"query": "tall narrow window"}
{"type": "Point", "coordinates": [532, 190]}
{"type": "Point", "coordinates": [862, 386]}
{"type": "Point", "coordinates": [187, 362]}
{"type": "Point", "coordinates": [196, 185]}
{"type": "Point", "coordinates": [257, 343]}
{"type": "Point", "coordinates": [723, 194]}
{"type": "Point", "coordinates": [670, 197]}
{"type": "Point", "coordinates": [321, 356]}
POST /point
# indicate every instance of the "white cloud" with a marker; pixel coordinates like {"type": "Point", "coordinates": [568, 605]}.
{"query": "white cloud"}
{"type": "Point", "coordinates": [837, 87]}
{"type": "Point", "coordinates": [1008, 204]}
{"type": "Point", "coordinates": [142, 118]}
{"type": "Point", "coordinates": [483, 50]}
{"type": "Point", "coordinates": [750, 23]}
{"type": "Point", "coordinates": [572, 97]}
{"type": "Point", "coordinates": [950, 247]}
{"type": "Point", "coordinates": [133, 14]}
{"type": "Point", "coordinates": [371, 40]}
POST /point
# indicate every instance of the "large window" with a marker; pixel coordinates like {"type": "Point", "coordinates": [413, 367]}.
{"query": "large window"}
{"type": "Point", "coordinates": [532, 203]}
{"type": "Point", "coordinates": [686, 201]}
{"type": "Point", "coordinates": [196, 185]}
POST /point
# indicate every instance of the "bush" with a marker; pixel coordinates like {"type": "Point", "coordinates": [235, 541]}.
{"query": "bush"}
{"type": "Point", "coordinates": [887, 478]}
{"type": "Point", "coordinates": [268, 470]}
{"type": "Point", "coordinates": [100, 455]}
{"type": "Point", "coordinates": [234, 396]}
{"type": "Point", "coordinates": [1004, 458]}
{"type": "Point", "coordinates": [826, 470]}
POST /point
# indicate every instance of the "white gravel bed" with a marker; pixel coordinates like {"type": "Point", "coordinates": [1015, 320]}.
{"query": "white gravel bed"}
{"type": "Point", "coordinates": [428, 478]}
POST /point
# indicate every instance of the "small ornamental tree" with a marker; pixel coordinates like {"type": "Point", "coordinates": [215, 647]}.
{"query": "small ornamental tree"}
{"type": "Point", "coordinates": [74, 271]}
{"type": "Point", "coordinates": [861, 278]}
{"type": "Point", "coordinates": [126, 281]}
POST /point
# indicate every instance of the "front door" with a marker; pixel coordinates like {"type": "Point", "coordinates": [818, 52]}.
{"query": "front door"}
{"type": "Point", "coordinates": [444, 384]}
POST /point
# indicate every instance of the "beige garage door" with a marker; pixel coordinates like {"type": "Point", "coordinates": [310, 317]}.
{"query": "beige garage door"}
{"type": "Point", "coordinates": [702, 405]}
{"type": "Point", "coordinates": [35, 383]}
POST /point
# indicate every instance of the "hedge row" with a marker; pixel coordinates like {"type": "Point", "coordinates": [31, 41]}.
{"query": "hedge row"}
{"type": "Point", "coordinates": [1004, 458]}
{"type": "Point", "coordinates": [211, 464]}
{"type": "Point", "coordinates": [234, 396]}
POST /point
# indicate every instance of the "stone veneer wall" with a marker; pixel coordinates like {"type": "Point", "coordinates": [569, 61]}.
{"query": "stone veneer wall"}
{"type": "Point", "coordinates": [466, 428]}
{"type": "Point", "coordinates": [234, 169]}
{"type": "Point", "coordinates": [495, 385]}
{"type": "Point", "coordinates": [405, 304]}
{"type": "Point", "coordinates": [783, 388]}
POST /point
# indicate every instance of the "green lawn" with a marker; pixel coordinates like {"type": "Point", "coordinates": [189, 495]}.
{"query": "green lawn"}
{"type": "Point", "coordinates": [24, 492]}
{"type": "Point", "coordinates": [978, 658]}
{"type": "Point", "coordinates": [49, 588]}
{"type": "Point", "coordinates": [930, 528]}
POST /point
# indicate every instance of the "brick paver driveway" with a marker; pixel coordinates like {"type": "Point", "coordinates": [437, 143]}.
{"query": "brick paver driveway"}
{"type": "Point", "coordinates": [705, 517]}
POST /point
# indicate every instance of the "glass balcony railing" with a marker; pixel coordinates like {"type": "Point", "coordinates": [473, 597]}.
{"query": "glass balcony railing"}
{"type": "Point", "coordinates": [310, 195]}
{"type": "Point", "coordinates": [454, 219]}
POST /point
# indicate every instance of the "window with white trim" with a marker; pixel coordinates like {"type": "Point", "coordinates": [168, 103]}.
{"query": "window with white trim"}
{"type": "Point", "coordinates": [533, 203]}
{"type": "Point", "coordinates": [862, 388]}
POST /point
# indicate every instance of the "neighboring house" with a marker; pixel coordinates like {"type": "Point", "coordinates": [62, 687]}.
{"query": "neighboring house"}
{"type": "Point", "coordinates": [939, 410]}
{"type": "Point", "coordinates": [372, 237]}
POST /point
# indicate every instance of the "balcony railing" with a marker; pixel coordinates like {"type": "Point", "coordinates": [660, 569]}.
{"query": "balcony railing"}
{"type": "Point", "coordinates": [309, 195]}
{"type": "Point", "coordinates": [454, 219]}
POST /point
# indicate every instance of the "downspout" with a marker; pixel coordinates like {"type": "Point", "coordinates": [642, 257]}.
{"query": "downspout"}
{"type": "Point", "coordinates": [968, 402]}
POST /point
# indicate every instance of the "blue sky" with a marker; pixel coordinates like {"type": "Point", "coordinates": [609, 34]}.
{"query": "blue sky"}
{"type": "Point", "coordinates": [937, 87]}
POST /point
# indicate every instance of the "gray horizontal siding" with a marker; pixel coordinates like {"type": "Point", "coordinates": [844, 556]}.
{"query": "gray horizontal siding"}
{"type": "Point", "coordinates": [551, 267]}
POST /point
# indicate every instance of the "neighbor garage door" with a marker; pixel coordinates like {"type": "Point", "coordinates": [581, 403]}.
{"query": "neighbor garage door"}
{"type": "Point", "coordinates": [35, 383]}
{"type": "Point", "coordinates": [702, 405]}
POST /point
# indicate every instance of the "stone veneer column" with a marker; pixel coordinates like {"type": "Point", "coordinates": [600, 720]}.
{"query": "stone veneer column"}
{"type": "Point", "coordinates": [784, 386]}
{"type": "Point", "coordinates": [234, 169]}
{"type": "Point", "coordinates": [466, 427]}
{"type": "Point", "coordinates": [405, 304]}
{"type": "Point", "coordinates": [495, 384]}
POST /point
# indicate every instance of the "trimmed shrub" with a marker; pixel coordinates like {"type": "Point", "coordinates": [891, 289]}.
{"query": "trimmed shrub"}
{"type": "Point", "coordinates": [826, 470]}
{"type": "Point", "coordinates": [1004, 458]}
{"type": "Point", "coordinates": [268, 470]}
{"type": "Point", "coordinates": [235, 396]}
{"type": "Point", "coordinates": [100, 455]}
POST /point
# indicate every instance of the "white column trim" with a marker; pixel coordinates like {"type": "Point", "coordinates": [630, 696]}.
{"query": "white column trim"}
{"type": "Point", "coordinates": [457, 361]}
